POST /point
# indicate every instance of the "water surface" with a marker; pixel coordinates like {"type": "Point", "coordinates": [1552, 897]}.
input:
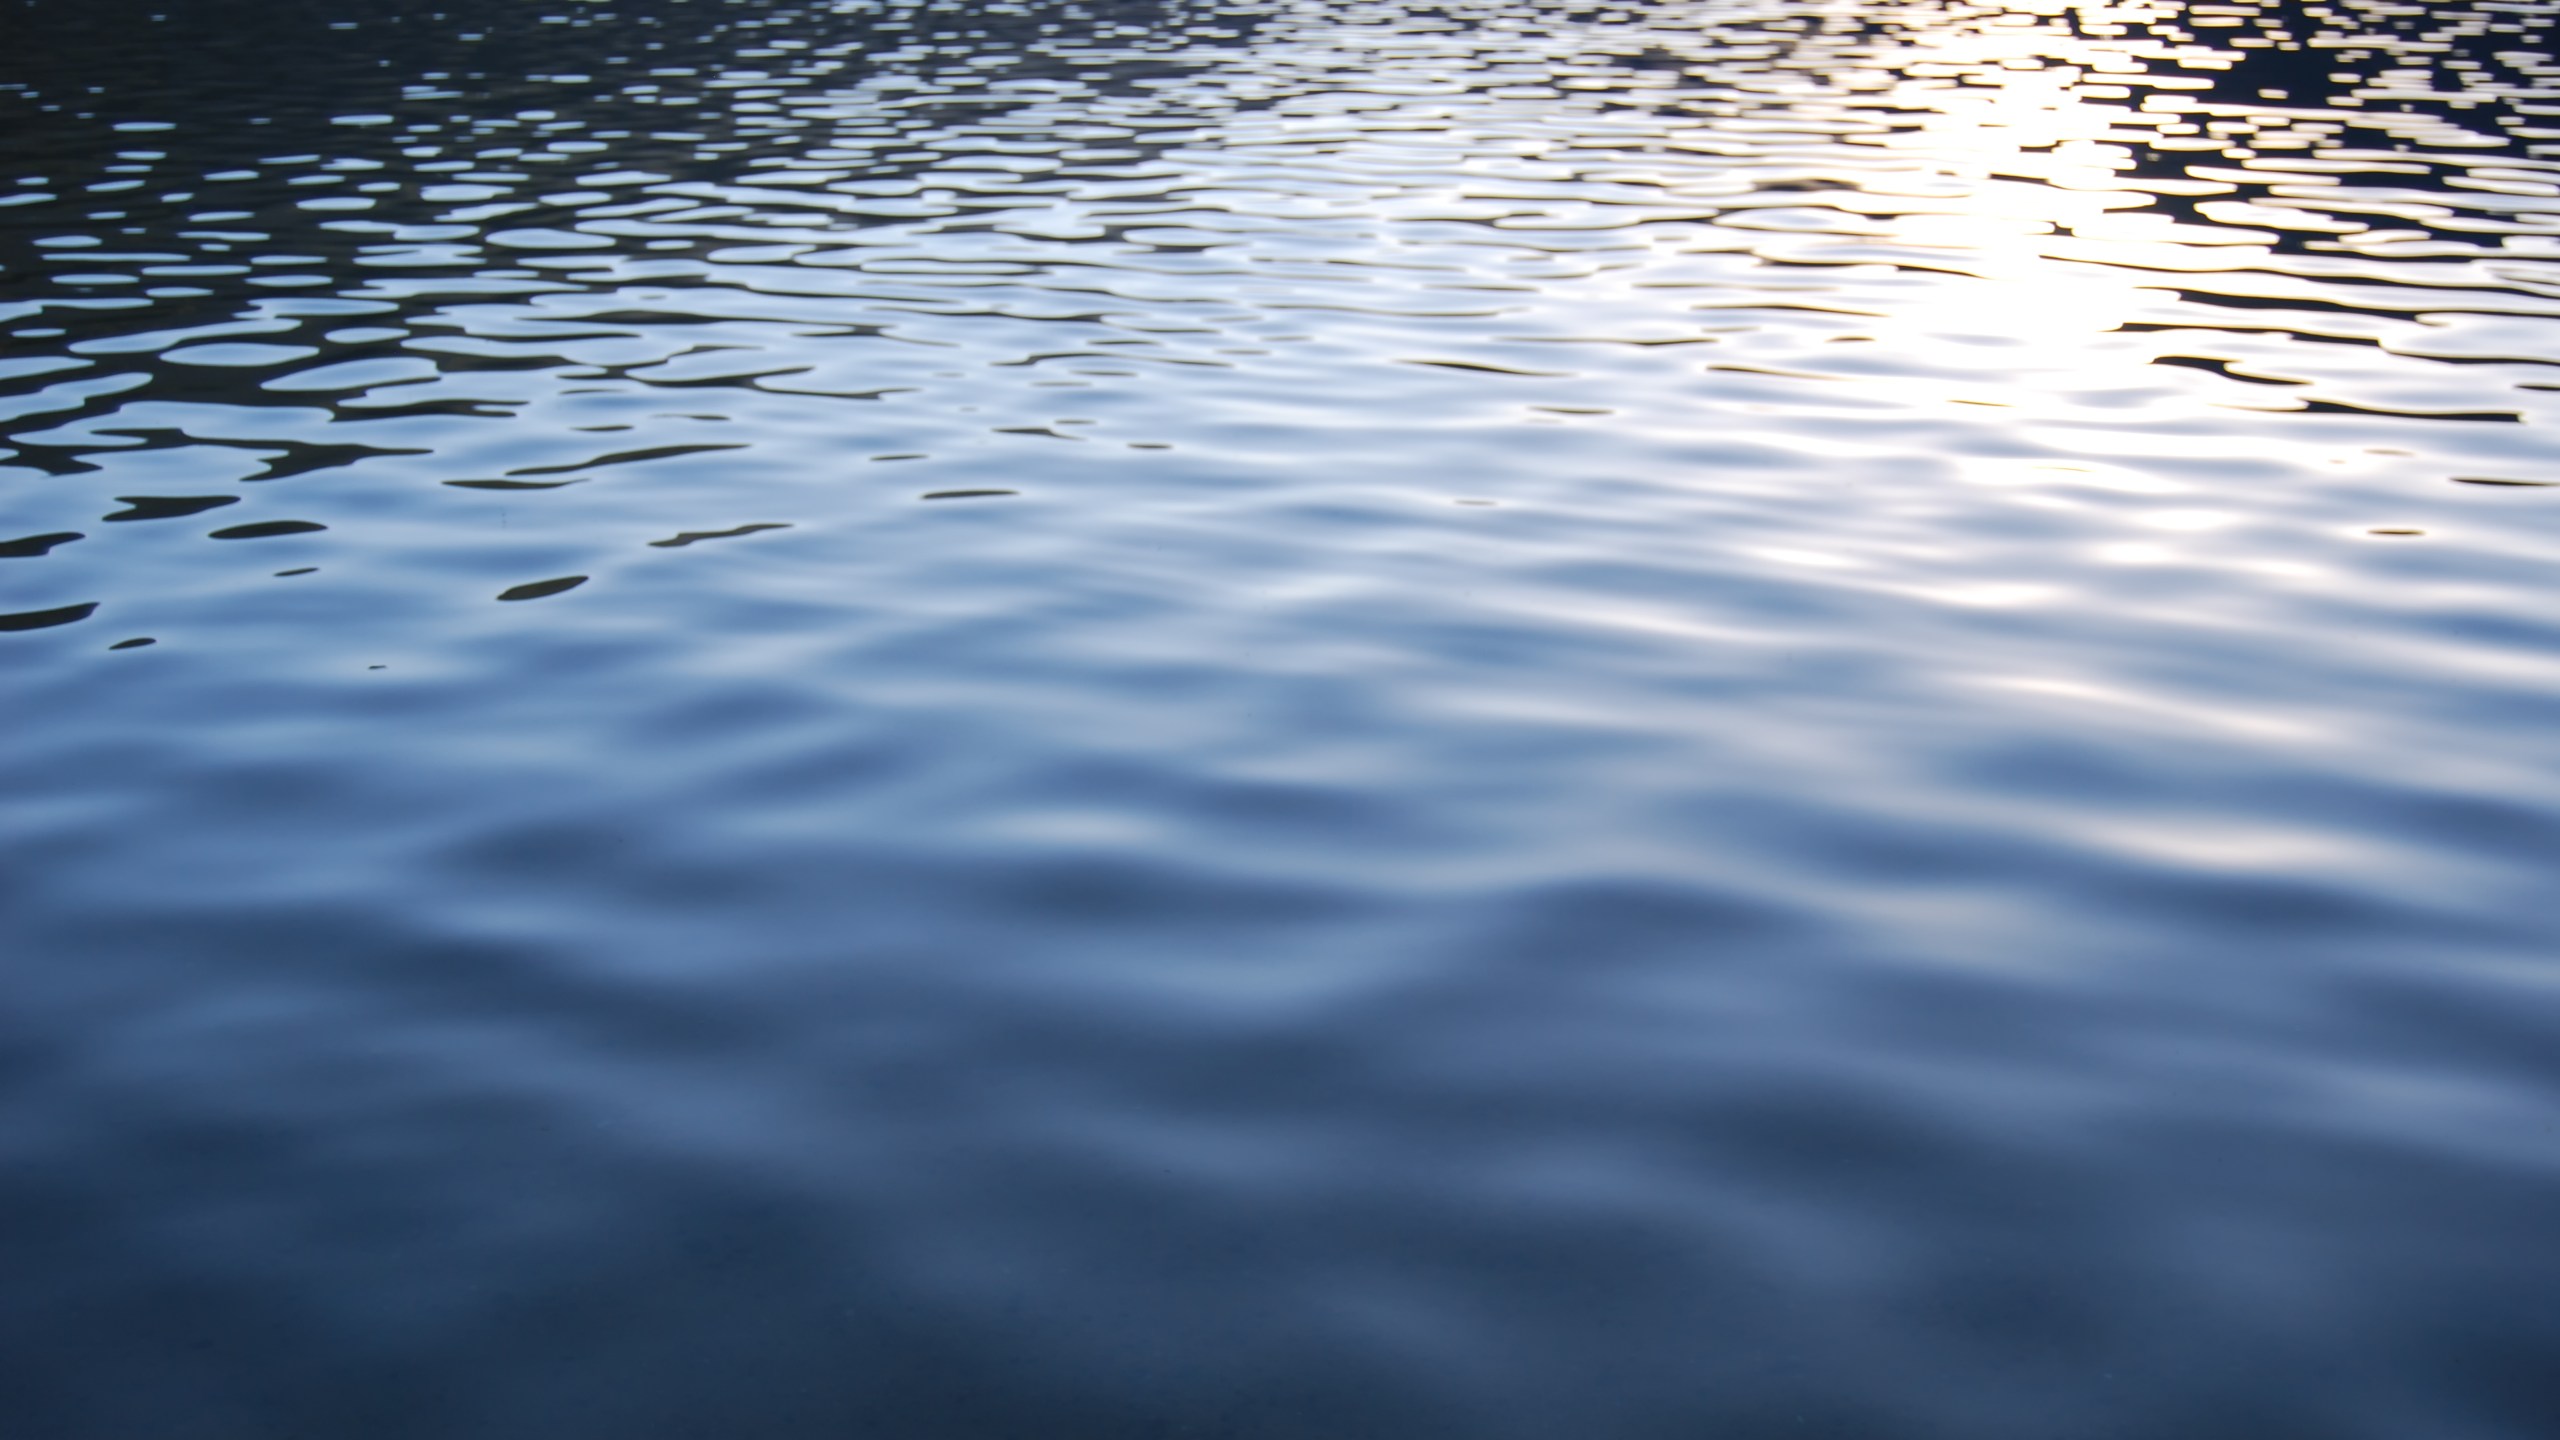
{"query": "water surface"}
{"type": "Point", "coordinates": [1815, 717]}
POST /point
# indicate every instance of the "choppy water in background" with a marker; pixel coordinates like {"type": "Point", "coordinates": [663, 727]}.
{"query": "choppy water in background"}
{"type": "Point", "coordinates": [1275, 720]}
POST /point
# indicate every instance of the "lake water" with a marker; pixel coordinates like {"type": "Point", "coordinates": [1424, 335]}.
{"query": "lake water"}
{"type": "Point", "coordinates": [1755, 718]}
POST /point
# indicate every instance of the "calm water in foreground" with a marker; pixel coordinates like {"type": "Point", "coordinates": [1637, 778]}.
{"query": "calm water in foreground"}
{"type": "Point", "coordinates": [1282, 721]}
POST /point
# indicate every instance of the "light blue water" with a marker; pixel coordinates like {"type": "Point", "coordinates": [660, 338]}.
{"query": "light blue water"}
{"type": "Point", "coordinates": [1280, 720]}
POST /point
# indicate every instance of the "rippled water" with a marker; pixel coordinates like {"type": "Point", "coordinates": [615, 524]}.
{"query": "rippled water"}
{"type": "Point", "coordinates": [1722, 719]}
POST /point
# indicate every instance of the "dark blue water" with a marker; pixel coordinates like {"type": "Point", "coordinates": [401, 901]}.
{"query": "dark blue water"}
{"type": "Point", "coordinates": [1700, 720]}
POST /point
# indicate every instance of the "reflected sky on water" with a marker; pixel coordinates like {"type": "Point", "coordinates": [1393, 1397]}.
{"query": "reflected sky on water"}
{"type": "Point", "coordinates": [1279, 720]}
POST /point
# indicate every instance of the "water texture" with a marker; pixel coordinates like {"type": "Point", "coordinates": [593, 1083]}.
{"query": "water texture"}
{"type": "Point", "coordinates": [1724, 718]}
